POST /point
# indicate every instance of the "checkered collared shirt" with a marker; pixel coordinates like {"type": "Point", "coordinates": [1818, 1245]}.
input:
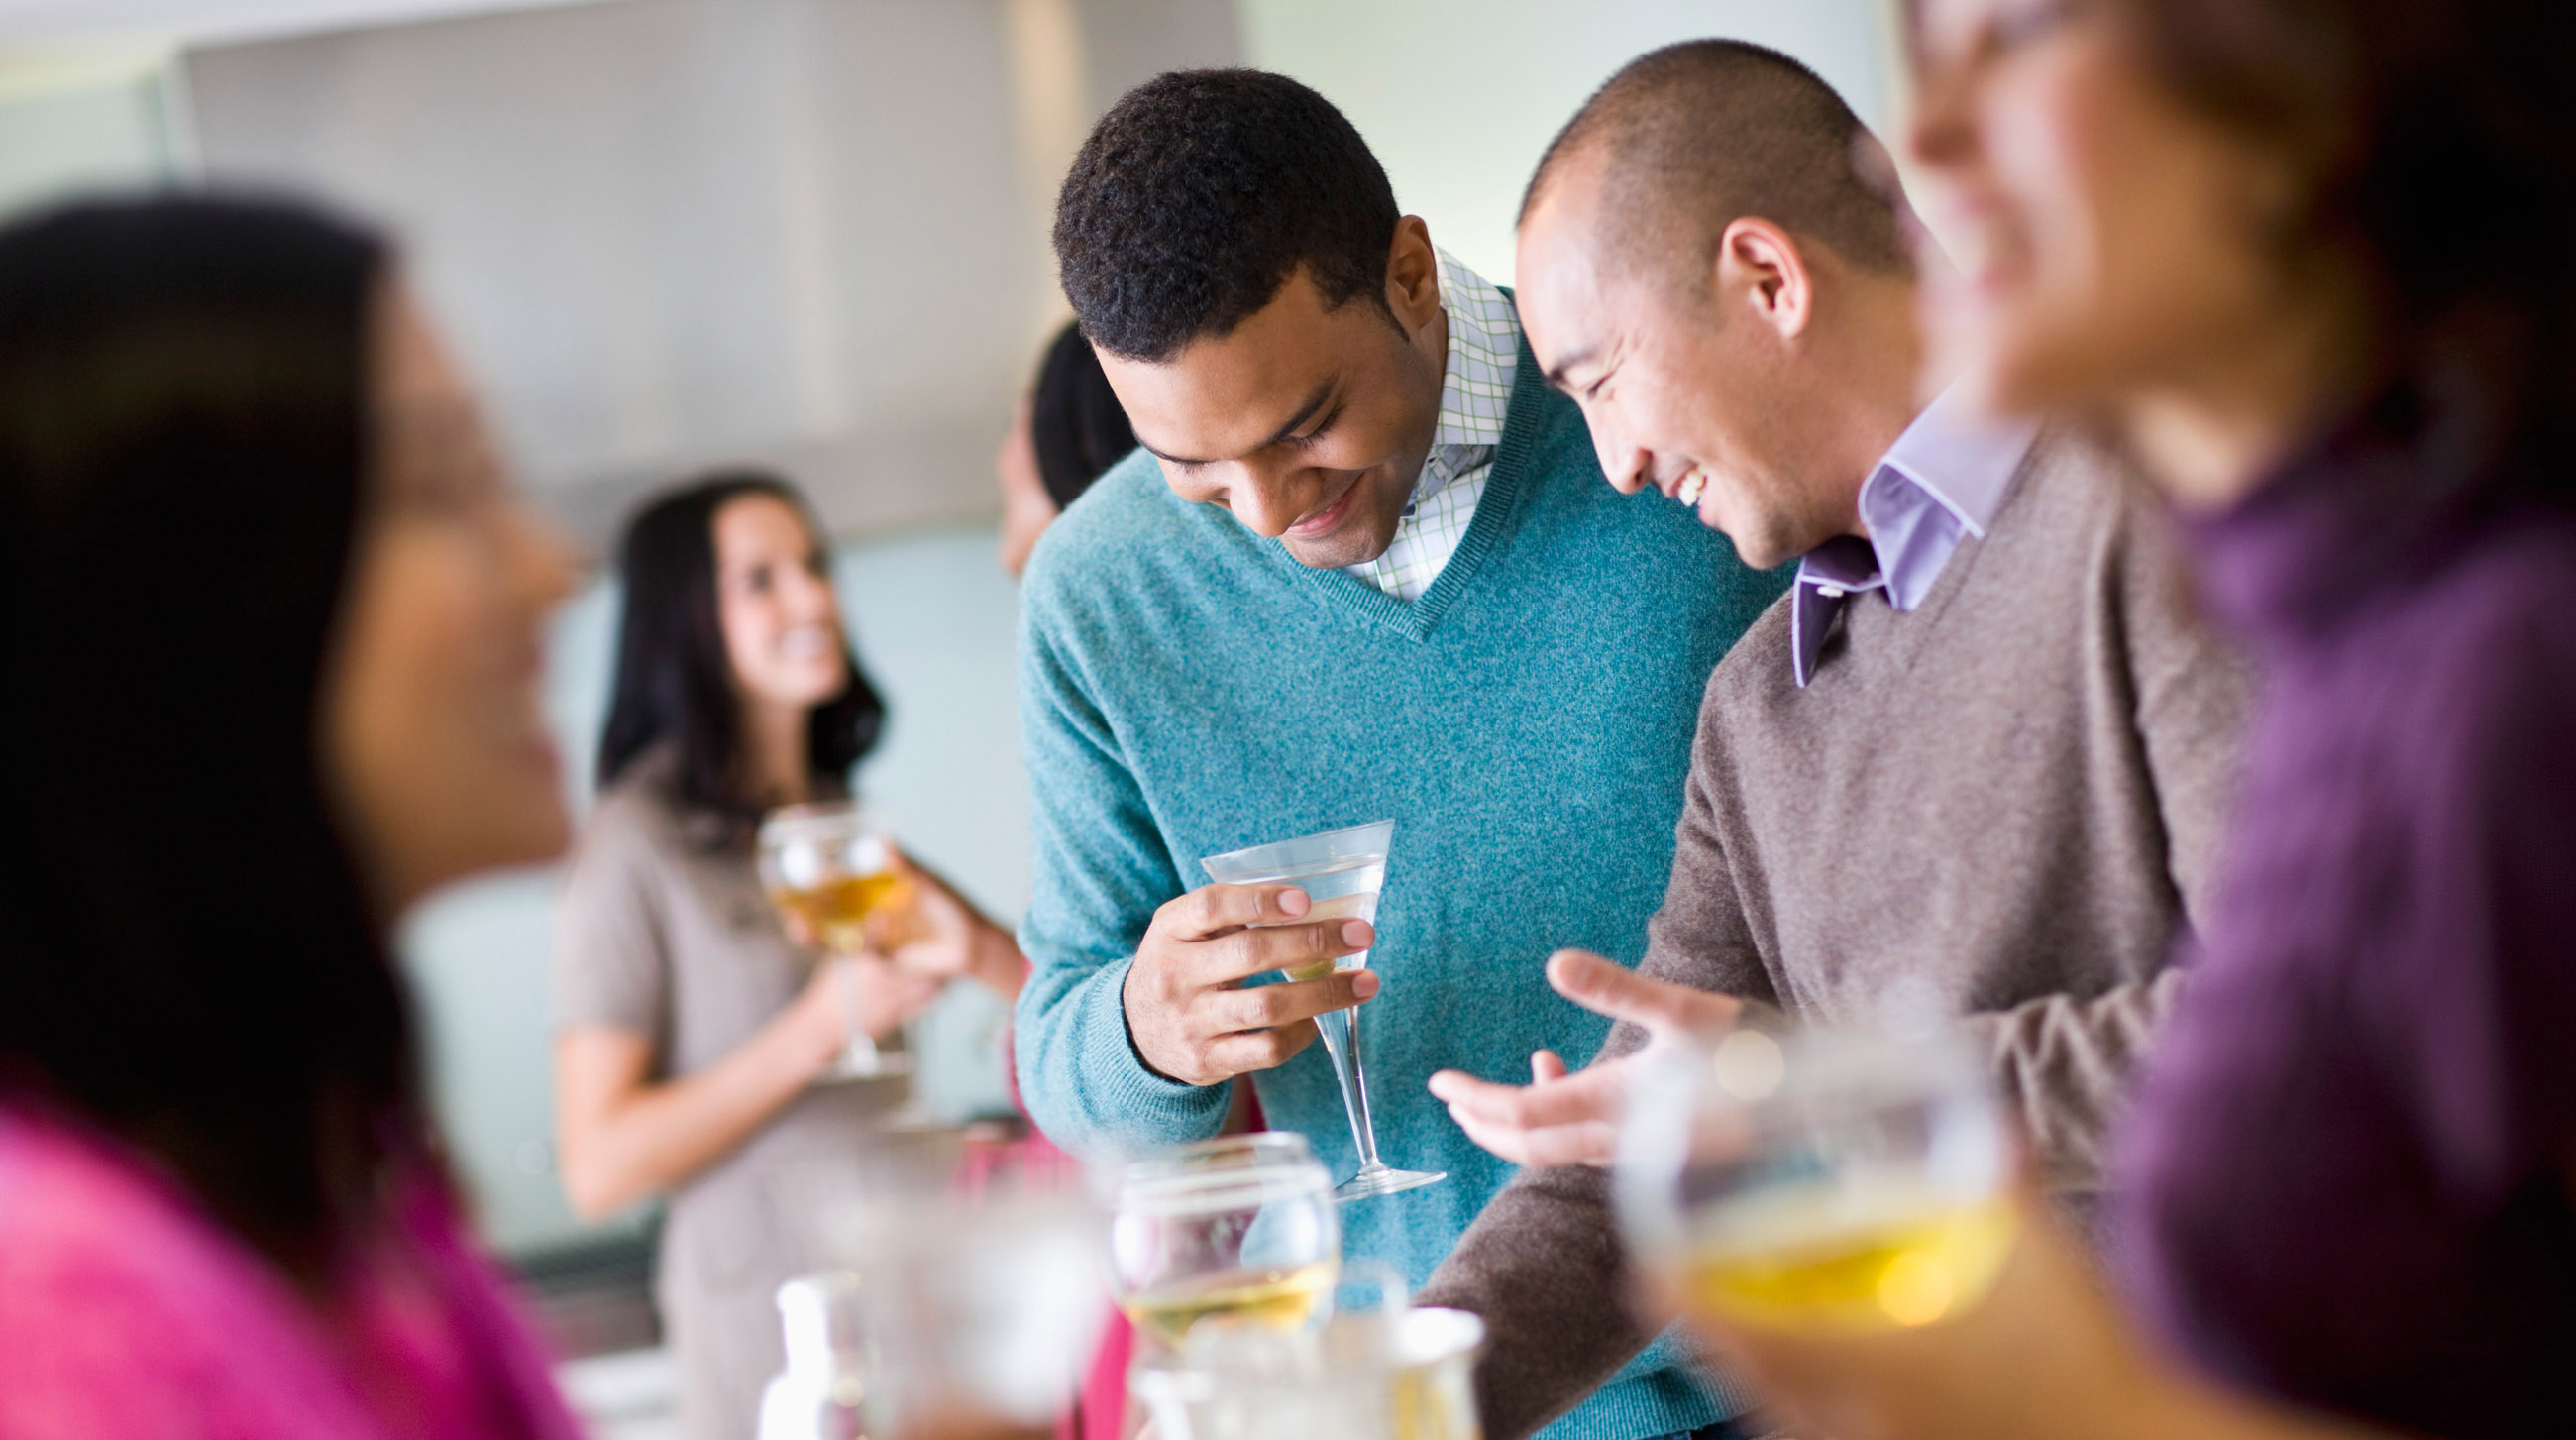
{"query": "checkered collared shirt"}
{"type": "Point", "coordinates": [1484, 352]}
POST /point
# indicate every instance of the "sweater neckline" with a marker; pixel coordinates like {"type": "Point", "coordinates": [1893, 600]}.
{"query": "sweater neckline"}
{"type": "Point", "coordinates": [1496, 510]}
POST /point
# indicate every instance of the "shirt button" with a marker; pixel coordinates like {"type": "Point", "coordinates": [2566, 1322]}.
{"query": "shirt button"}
{"type": "Point", "coordinates": [1830, 592]}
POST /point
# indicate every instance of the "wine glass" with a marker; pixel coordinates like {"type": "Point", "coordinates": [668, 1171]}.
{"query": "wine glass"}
{"type": "Point", "coordinates": [1341, 871]}
{"type": "Point", "coordinates": [1239, 1229]}
{"type": "Point", "coordinates": [1827, 1181]}
{"type": "Point", "coordinates": [1378, 1369]}
{"type": "Point", "coordinates": [829, 867]}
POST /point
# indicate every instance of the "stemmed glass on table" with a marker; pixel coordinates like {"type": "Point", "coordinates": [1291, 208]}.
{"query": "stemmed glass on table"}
{"type": "Point", "coordinates": [1822, 1182]}
{"type": "Point", "coordinates": [1341, 871]}
{"type": "Point", "coordinates": [830, 868]}
{"type": "Point", "coordinates": [1239, 1229]}
{"type": "Point", "coordinates": [1226, 1254]}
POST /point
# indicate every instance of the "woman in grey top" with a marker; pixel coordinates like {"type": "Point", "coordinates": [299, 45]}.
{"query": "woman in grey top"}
{"type": "Point", "coordinates": [691, 1028]}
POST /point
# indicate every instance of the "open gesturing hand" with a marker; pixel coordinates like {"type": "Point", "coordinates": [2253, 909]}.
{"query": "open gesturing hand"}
{"type": "Point", "coordinates": [1573, 1119]}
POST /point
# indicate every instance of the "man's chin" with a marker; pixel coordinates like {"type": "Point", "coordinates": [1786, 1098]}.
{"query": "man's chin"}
{"type": "Point", "coordinates": [1331, 552]}
{"type": "Point", "coordinates": [1354, 542]}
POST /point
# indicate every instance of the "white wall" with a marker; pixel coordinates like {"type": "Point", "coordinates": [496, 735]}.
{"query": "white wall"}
{"type": "Point", "coordinates": [932, 617]}
{"type": "Point", "coordinates": [666, 233]}
{"type": "Point", "coordinates": [1459, 97]}
{"type": "Point", "coordinates": [74, 123]}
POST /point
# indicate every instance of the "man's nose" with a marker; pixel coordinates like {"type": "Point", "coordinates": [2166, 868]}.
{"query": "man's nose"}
{"type": "Point", "coordinates": [1628, 465]}
{"type": "Point", "coordinates": [1266, 502]}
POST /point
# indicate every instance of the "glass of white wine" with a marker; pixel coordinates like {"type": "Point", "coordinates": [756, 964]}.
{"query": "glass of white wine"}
{"type": "Point", "coordinates": [1379, 1369]}
{"type": "Point", "coordinates": [1341, 872]}
{"type": "Point", "coordinates": [1240, 1229]}
{"type": "Point", "coordinates": [829, 868]}
{"type": "Point", "coordinates": [1826, 1181]}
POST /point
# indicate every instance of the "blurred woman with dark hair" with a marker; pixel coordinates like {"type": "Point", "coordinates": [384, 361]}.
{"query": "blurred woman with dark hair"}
{"type": "Point", "coordinates": [248, 502]}
{"type": "Point", "coordinates": [2314, 261]}
{"type": "Point", "coordinates": [692, 1028]}
{"type": "Point", "coordinates": [1068, 432]}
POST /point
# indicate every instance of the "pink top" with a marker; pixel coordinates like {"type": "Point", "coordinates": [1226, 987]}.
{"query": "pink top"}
{"type": "Point", "coordinates": [126, 1312]}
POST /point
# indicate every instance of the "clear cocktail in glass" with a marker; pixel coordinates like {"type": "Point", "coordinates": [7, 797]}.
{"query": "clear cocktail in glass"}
{"type": "Point", "coordinates": [1342, 872]}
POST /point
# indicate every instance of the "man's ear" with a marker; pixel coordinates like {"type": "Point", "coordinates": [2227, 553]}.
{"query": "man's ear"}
{"type": "Point", "coordinates": [1759, 270]}
{"type": "Point", "coordinates": [1412, 274]}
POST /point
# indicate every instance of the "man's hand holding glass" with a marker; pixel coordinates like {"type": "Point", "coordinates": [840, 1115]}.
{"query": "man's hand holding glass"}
{"type": "Point", "coordinates": [1191, 1014]}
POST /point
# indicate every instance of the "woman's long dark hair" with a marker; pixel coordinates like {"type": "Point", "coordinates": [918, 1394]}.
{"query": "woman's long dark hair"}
{"type": "Point", "coordinates": [674, 679]}
{"type": "Point", "coordinates": [1076, 424]}
{"type": "Point", "coordinates": [2438, 139]}
{"type": "Point", "coordinates": [191, 962]}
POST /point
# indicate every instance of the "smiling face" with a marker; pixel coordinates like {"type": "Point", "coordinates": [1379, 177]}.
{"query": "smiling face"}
{"type": "Point", "coordinates": [435, 735]}
{"type": "Point", "coordinates": [2109, 240]}
{"type": "Point", "coordinates": [1308, 423]}
{"type": "Point", "coordinates": [775, 605]}
{"type": "Point", "coordinates": [1736, 396]}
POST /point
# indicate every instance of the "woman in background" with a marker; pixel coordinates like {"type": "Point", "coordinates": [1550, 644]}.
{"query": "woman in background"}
{"type": "Point", "coordinates": [695, 1036]}
{"type": "Point", "coordinates": [271, 627]}
{"type": "Point", "coordinates": [2315, 261]}
{"type": "Point", "coordinates": [1068, 431]}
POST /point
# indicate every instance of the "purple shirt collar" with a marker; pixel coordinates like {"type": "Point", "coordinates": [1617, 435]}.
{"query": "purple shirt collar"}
{"type": "Point", "coordinates": [1942, 480]}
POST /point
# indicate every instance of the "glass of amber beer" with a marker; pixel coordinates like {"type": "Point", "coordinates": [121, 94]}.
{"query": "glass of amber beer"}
{"type": "Point", "coordinates": [1820, 1181]}
{"type": "Point", "coordinates": [829, 869]}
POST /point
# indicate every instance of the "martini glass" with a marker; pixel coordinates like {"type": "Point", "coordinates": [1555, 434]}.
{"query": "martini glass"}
{"type": "Point", "coordinates": [1341, 871]}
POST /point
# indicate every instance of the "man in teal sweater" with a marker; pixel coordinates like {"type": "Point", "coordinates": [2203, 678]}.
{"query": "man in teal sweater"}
{"type": "Point", "coordinates": [1366, 567]}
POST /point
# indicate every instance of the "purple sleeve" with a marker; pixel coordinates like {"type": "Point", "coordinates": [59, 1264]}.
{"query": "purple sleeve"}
{"type": "Point", "coordinates": [2478, 971]}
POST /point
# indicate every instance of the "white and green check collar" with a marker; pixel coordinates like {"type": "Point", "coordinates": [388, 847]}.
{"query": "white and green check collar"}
{"type": "Point", "coordinates": [1484, 353]}
{"type": "Point", "coordinates": [1475, 393]}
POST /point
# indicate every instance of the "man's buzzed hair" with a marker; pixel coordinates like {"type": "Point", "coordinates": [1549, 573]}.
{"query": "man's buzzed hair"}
{"type": "Point", "coordinates": [1700, 134]}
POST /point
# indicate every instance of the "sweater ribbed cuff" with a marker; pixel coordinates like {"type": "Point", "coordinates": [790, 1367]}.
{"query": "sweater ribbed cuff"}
{"type": "Point", "coordinates": [1137, 1107]}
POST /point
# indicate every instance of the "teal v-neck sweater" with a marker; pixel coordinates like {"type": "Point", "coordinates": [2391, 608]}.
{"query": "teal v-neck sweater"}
{"type": "Point", "coordinates": [1188, 688]}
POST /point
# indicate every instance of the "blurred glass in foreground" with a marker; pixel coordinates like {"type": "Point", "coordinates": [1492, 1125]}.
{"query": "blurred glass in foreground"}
{"type": "Point", "coordinates": [1377, 1369]}
{"type": "Point", "coordinates": [1825, 1181]}
{"type": "Point", "coordinates": [1239, 1229]}
{"type": "Point", "coordinates": [979, 1286]}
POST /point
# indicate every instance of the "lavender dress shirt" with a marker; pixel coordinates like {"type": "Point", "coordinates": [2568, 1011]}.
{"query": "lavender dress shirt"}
{"type": "Point", "coordinates": [2346, 1177]}
{"type": "Point", "coordinates": [1943, 479]}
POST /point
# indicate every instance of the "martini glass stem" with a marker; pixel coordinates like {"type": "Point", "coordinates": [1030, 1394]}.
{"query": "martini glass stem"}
{"type": "Point", "coordinates": [1341, 1034]}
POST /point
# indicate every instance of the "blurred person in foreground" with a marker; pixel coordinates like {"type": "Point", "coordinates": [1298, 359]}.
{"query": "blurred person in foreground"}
{"type": "Point", "coordinates": [2311, 261]}
{"type": "Point", "coordinates": [1988, 678]}
{"type": "Point", "coordinates": [695, 1035]}
{"type": "Point", "coordinates": [1367, 568]}
{"type": "Point", "coordinates": [1068, 431]}
{"type": "Point", "coordinates": [248, 501]}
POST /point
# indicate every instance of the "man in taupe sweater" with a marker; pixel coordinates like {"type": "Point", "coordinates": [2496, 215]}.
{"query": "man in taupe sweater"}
{"type": "Point", "coordinates": [1976, 758]}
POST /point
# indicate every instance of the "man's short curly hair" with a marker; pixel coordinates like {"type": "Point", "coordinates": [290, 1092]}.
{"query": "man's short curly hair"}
{"type": "Point", "coordinates": [1200, 193]}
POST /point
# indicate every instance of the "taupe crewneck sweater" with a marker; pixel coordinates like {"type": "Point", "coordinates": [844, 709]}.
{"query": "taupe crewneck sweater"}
{"type": "Point", "coordinates": [2009, 799]}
